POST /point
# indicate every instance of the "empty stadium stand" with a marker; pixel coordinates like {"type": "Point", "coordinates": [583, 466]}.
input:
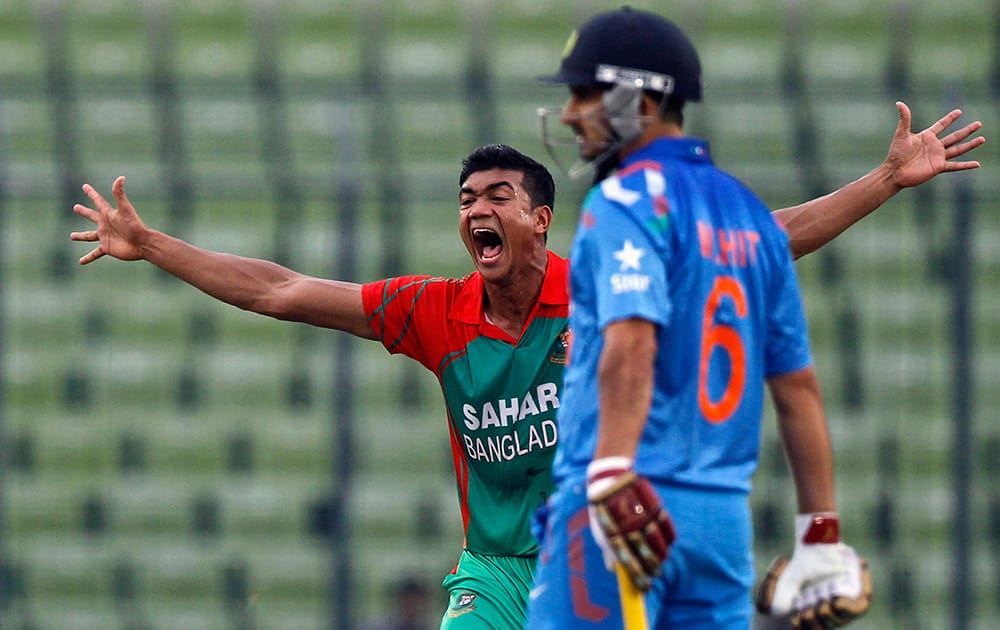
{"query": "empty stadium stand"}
{"type": "Point", "coordinates": [169, 462]}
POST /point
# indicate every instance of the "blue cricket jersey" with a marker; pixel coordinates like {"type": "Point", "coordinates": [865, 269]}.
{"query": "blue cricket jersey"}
{"type": "Point", "coordinates": [673, 240]}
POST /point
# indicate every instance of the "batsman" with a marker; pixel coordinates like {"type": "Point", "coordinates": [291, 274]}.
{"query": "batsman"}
{"type": "Point", "coordinates": [685, 312]}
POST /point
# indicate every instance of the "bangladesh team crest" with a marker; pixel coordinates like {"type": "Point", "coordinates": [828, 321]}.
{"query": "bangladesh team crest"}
{"type": "Point", "coordinates": [560, 349]}
{"type": "Point", "coordinates": [463, 604]}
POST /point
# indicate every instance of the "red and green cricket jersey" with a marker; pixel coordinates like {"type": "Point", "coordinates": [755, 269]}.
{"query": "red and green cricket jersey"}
{"type": "Point", "coordinates": [501, 393]}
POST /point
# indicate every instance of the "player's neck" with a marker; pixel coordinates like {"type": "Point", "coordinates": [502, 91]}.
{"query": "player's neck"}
{"type": "Point", "coordinates": [653, 132]}
{"type": "Point", "coordinates": [508, 305]}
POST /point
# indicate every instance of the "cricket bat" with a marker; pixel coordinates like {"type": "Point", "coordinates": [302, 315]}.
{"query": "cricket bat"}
{"type": "Point", "coordinates": [633, 605]}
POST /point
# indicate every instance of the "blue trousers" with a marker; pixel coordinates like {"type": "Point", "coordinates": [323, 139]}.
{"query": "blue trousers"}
{"type": "Point", "coordinates": [706, 581]}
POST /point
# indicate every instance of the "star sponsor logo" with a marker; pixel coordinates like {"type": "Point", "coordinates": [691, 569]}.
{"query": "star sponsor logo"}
{"type": "Point", "coordinates": [629, 256]}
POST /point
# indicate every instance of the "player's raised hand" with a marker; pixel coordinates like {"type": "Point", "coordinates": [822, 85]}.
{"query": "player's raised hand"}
{"type": "Point", "coordinates": [917, 157]}
{"type": "Point", "coordinates": [824, 585]}
{"type": "Point", "coordinates": [627, 519]}
{"type": "Point", "coordinates": [118, 231]}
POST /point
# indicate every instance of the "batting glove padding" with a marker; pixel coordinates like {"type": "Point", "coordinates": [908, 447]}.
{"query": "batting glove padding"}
{"type": "Point", "coordinates": [627, 519]}
{"type": "Point", "coordinates": [824, 584]}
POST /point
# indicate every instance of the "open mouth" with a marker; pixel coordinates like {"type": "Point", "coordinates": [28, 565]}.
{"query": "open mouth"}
{"type": "Point", "coordinates": [489, 245]}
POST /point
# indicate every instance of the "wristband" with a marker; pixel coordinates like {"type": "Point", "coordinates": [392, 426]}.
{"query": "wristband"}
{"type": "Point", "coordinates": [817, 528]}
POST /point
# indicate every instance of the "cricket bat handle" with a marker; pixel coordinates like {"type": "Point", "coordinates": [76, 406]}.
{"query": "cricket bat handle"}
{"type": "Point", "coordinates": [633, 604]}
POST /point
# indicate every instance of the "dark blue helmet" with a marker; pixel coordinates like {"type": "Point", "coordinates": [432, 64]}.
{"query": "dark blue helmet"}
{"type": "Point", "coordinates": [635, 47]}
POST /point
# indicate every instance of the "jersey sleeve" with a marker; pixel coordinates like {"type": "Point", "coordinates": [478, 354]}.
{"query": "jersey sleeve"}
{"type": "Point", "coordinates": [627, 264]}
{"type": "Point", "coordinates": [404, 312]}
{"type": "Point", "coordinates": [787, 335]}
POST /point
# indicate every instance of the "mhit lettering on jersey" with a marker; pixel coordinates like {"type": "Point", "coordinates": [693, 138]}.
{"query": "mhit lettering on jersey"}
{"type": "Point", "coordinates": [728, 247]}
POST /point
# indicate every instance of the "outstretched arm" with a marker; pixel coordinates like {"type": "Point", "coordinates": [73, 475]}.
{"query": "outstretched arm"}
{"type": "Point", "coordinates": [251, 284]}
{"type": "Point", "coordinates": [913, 159]}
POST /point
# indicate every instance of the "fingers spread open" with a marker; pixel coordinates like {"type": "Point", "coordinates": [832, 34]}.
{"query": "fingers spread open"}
{"type": "Point", "coordinates": [96, 197]}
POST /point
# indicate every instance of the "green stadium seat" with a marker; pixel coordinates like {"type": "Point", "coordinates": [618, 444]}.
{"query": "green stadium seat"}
{"type": "Point", "coordinates": [320, 52]}
{"type": "Point", "coordinates": [838, 47]}
{"type": "Point", "coordinates": [212, 40]}
{"type": "Point", "coordinates": [23, 56]}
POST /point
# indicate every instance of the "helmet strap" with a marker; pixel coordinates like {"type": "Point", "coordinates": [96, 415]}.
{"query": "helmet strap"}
{"type": "Point", "coordinates": [621, 104]}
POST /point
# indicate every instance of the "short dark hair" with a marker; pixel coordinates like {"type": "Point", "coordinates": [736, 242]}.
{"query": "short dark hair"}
{"type": "Point", "coordinates": [537, 180]}
{"type": "Point", "coordinates": [671, 108]}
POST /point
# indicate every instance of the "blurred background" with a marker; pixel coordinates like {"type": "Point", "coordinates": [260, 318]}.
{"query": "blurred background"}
{"type": "Point", "coordinates": [169, 462]}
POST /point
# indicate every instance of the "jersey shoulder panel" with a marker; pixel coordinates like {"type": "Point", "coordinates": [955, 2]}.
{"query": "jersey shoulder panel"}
{"type": "Point", "coordinates": [410, 315]}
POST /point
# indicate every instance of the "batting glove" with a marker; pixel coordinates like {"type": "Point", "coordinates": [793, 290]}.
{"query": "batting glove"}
{"type": "Point", "coordinates": [627, 519]}
{"type": "Point", "coordinates": [824, 585]}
